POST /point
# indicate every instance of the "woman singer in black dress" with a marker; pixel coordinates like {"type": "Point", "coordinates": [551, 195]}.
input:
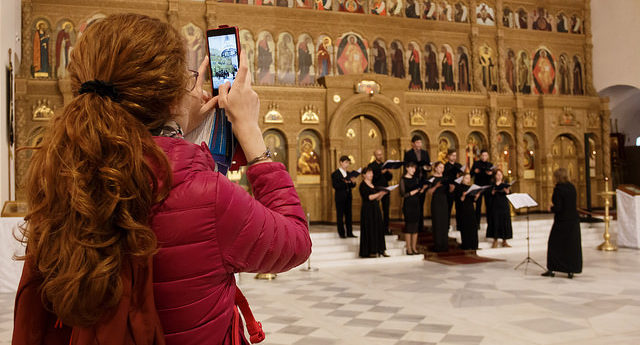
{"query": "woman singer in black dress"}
{"type": "Point", "coordinates": [439, 209]}
{"type": "Point", "coordinates": [499, 225]}
{"type": "Point", "coordinates": [410, 191]}
{"type": "Point", "coordinates": [466, 222]}
{"type": "Point", "coordinates": [372, 241]}
{"type": "Point", "coordinates": [564, 253]}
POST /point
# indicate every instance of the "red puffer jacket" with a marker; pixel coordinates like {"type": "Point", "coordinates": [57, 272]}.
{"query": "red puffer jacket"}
{"type": "Point", "coordinates": [209, 228]}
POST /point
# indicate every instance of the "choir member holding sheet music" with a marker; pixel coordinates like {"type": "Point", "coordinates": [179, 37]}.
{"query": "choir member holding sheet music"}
{"type": "Point", "coordinates": [423, 163]}
{"type": "Point", "coordinates": [342, 183]}
{"type": "Point", "coordinates": [439, 189]}
{"type": "Point", "coordinates": [372, 242]}
{"type": "Point", "coordinates": [466, 197]}
{"type": "Point", "coordinates": [564, 252]}
{"type": "Point", "coordinates": [381, 178]}
{"type": "Point", "coordinates": [411, 189]}
{"type": "Point", "coordinates": [451, 171]}
{"type": "Point", "coordinates": [499, 217]}
{"type": "Point", "coordinates": [482, 172]}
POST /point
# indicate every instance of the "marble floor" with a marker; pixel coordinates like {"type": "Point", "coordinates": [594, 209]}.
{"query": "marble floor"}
{"type": "Point", "coordinates": [428, 303]}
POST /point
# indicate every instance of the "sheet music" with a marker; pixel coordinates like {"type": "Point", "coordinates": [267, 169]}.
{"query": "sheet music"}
{"type": "Point", "coordinates": [359, 170]}
{"type": "Point", "coordinates": [431, 180]}
{"type": "Point", "coordinates": [463, 168]}
{"type": "Point", "coordinates": [459, 180]}
{"type": "Point", "coordinates": [390, 188]}
{"type": "Point", "coordinates": [475, 187]}
{"type": "Point", "coordinates": [392, 164]}
{"type": "Point", "coordinates": [520, 200]}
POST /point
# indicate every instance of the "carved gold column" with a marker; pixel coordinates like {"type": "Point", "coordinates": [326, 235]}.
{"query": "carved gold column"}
{"type": "Point", "coordinates": [27, 39]}
{"type": "Point", "coordinates": [589, 89]}
{"type": "Point", "coordinates": [503, 86]}
{"type": "Point", "coordinates": [172, 14]}
{"type": "Point", "coordinates": [520, 145]}
{"type": "Point", "coordinates": [492, 111]}
{"type": "Point", "coordinates": [210, 14]}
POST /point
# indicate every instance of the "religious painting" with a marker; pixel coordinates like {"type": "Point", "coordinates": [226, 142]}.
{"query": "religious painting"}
{"type": "Point", "coordinates": [323, 5]}
{"type": "Point", "coordinates": [286, 59]}
{"type": "Point", "coordinates": [378, 7]}
{"type": "Point", "coordinates": [562, 23]}
{"type": "Point", "coordinates": [463, 69]}
{"type": "Point", "coordinates": [88, 22]}
{"type": "Point", "coordinates": [243, 2]}
{"type": "Point", "coordinates": [397, 60]}
{"type": "Point", "coordinates": [195, 45]}
{"type": "Point", "coordinates": [352, 55]}
{"type": "Point", "coordinates": [541, 19]}
{"type": "Point", "coordinates": [431, 67]}
{"type": "Point", "coordinates": [446, 62]}
{"type": "Point", "coordinates": [524, 73]}
{"type": "Point", "coordinates": [277, 144]}
{"type": "Point", "coordinates": [447, 141]}
{"type": "Point", "coordinates": [265, 2]}
{"type": "Point", "coordinates": [324, 55]}
{"type": "Point", "coordinates": [284, 3]}
{"type": "Point", "coordinates": [461, 13]}
{"type": "Point", "coordinates": [445, 11]}
{"type": "Point", "coordinates": [306, 67]}
{"type": "Point", "coordinates": [379, 57]}
{"type": "Point", "coordinates": [510, 70]}
{"type": "Point", "coordinates": [247, 46]}
{"type": "Point", "coordinates": [308, 164]}
{"type": "Point", "coordinates": [522, 19]}
{"type": "Point", "coordinates": [576, 24]}
{"type": "Point", "coordinates": [305, 3]}
{"type": "Point", "coordinates": [563, 75]}
{"type": "Point", "coordinates": [529, 161]}
{"type": "Point", "coordinates": [592, 157]}
{"type": "Point", "coordinates": [505, 146]}
{"type": "Point", "coordinates": [544, 72]}
{"type": "Point", "coordinates": [266, 50]}
{"type": "Point", "coordinates": [65, 39]}
{"type": "Point", "coordinates": [413, 57]}
{"type": "Point", "coordinates": [488, 65]}
{"type": "Point", "coordinates": [578, 86]}
{"type": "Point", "coordinates": [413, 9]}
{"type": "Point", "coordinates": [41, 67]}
{"type": "Point", "coordinates": [351, 6]}
{"type": "Point", "coordinates": [475, 143]}
{"type": "Point", "coordinates": [429, 10]}
{"type": "Point", "coordinates": [395, 7]}
{"type": "Point", "coordinates": [485, 15]}
{"type": "Point", "coordinates": [508, 18]}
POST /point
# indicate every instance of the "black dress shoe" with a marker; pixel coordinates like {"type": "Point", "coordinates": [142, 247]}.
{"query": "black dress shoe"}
{"type": "Point", "coordinates": [548, 274]}
{"type": "Point", "coordinates": [570, 275]}
{"type": "Point", "coordinates": [384, 254]}
{"type": "Point", "coordinates": [352, 236]}
{"type": "Point", "coordinates": [343, 236]}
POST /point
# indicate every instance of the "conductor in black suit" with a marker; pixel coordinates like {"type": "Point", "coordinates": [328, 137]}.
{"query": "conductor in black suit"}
{"type": "Point", "coordinates": [482, 173]}
{"type": "Point", "coordinates": [451, 171]}
{"type": "Point", "coordinates": [381, 178]}
{"type": "Point", "coordinates": [343, 184]}
{"type": "Point", "coordinates": [423, 162]}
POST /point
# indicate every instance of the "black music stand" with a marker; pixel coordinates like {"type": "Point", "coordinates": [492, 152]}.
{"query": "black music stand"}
{"type": "Point", "coordinates": [524, 200]}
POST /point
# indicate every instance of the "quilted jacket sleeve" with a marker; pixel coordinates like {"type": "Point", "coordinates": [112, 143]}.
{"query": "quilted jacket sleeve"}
{"type": "Point", "coordinates": [267, 233]}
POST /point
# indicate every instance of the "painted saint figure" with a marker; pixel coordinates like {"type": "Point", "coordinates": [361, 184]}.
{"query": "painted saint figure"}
{"type": "Point", "coordinates": [578, 88]}
{"type": "Point", "coordinates": [463, 71]}
{"type": "Point", "coordinates": [523, 19]}
{"type": "Point", "coordinates": [430, 8]}
{"type": "Point", "coordinates": [351, 57]}
{"type": "Point", "coordinates": [524, 81]}
{"type": "Point", "coordinates": [544, 72]}
{"type": "Point", "coordinates": [379, 58]}
{"type": "Point", "coordinates": [576, 24]}
{"type": "Point", "coordinates": [265, 60]}
{"type": "Point", "coordinates": [324, 57]}
{"type": "Point", "coordinates": [445, 11]}
{"type": "Point", "coordinates": [510, 71]}
{"type": "Point", "coordinates": [431, 70]}
{"type": "Point", "coordinates": [379, 7]}
{"type": "Point", "coordinates": [413, 9]}
{"type": "Point", "coordinates": [397, 61]}
{"type": "Point", "coordinates": [286, 59]}
{"type": "Point", "coordinates": [563, 23]}
{"type": "Point", "coordinates": [485, 15]}
{"type": "Point", "coordinates": [447, 70]}
{"type": "Point", "coordinates": [541, 20]}
{"type": "Point", "coordinates": [486, 62]}
{"type": "Point", "coordinates": [305, 61]}
{"type": "Point", "coordinates": [563, 72]}
{"type": "Point", "coordinates": [462, 13]}
{"type": "Point", "coordinates": [63, 47]}
{"type": "Point", "coordinates": [395, 7]}
{"type": "Point", "coordinates": [41, 65]}
{"type": "Point", "coordinates": [414, 68]}
{"type": "Point", "coordinates": [195, 45]}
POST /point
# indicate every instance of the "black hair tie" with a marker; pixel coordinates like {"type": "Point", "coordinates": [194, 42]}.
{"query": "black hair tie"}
{"type": "Point", "coordinates": [101, 88]}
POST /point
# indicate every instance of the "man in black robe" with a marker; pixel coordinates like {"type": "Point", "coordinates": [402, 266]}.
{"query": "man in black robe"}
{"type": "Point", "coordinates": [381, 178]}
{"type": "Point", "coordinates": [431, 70]}
{"type": "Point", "coordinates": [342, 184]}
{"type": "Point", "coordinates": [397, 61]}
{"type": "Point", "coordinates": [463, 71]}
{"type": "Point", "coordinates": [451, 171]}
{"type": "Point", "coordinates": [380, 59]}
{"type": "Point", "coordinates": [304, 61]}
{"type": "Point", "coordinates": [482, 172]}
{"type": "Point", "coordinates": [423, 163]}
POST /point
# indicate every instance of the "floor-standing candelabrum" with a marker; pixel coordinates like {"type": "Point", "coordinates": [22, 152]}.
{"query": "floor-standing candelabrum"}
{"type": "Point", "coordinates": [607, 245]}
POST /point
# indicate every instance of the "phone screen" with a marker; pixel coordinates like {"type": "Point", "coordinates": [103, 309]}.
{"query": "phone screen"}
{"type": "Point", "coordinates": [223, 56]}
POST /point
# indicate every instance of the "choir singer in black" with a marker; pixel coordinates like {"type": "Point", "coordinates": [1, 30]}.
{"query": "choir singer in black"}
{"type": "Point", "coordinates": [564, 252]}
{"type": "Point", "coordinates": [451, 171]}
{"type": "Point", "coordinates": [482, 173]}
{"type": "Point", "coordinates": [381, 178]}
{"type": "Point", "coordinates": [421, 158]}
{"type": "Point", "coordinates": [343, 183]}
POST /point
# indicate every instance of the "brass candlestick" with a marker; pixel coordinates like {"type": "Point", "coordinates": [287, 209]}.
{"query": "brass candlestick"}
{"type": "Point", "coordinates": [607, 246]}
{"type": "Point", "coordinates": [266, 276]}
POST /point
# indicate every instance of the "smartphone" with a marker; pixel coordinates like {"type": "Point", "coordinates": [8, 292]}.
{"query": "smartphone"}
{"type": "Point", "coordinates": [223, 45]}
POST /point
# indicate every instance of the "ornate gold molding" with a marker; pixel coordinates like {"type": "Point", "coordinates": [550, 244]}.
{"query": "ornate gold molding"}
{"type": "Point", "coordinates": [447, 119]}
{"type": "Point", "coordinates": [309, 114]}
{"type": "Point", "coordinates": [417, 117]}
{"type": "Point", "coordinates": [273, 115]}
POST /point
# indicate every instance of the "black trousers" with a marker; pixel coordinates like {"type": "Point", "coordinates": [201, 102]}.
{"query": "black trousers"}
{"type": "Point", "coordinates": [482, 196]}
{"type": "Point", "coordinates": [385, 212]}
{"type": "Point", "coordinates": [343, 212]}
{"type": "Point", "coordinates": [421, 199]}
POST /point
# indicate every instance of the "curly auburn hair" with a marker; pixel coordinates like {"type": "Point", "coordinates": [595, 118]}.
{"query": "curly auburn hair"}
{"type": "Point", "coordinates": [91, 182]}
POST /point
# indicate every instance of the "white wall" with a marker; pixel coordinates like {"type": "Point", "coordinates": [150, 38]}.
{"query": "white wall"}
{"type": "Point", "coordinates": [10, 36]}
{"type": "Point", "coordinates": [616, 49]}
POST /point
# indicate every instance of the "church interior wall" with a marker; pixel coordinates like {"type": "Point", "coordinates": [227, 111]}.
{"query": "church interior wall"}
{"type": "Point", "coordinates": [304, 114]}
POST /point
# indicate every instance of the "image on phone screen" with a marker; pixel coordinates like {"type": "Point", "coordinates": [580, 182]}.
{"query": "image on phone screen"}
{"type": "Point", "coordinates": [223, 56]}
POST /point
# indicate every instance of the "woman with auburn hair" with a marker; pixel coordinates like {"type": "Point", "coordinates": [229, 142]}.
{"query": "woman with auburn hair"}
{"type": "Point", "coordinates": [564, 253]}
{"type": "Point", "coordinates": [132, 235]}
